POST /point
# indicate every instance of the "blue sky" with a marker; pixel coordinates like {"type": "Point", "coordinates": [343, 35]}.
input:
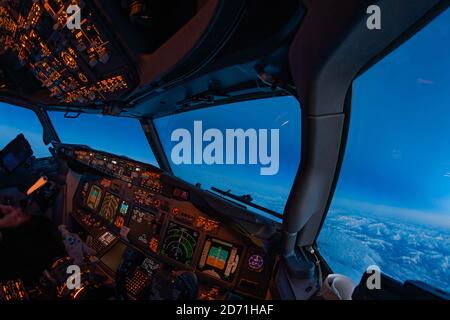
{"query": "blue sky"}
{"type": "Point", "coordinates": [281, 113]}
{"type": "Point", "coordinates": [14, 121]}
{"type": "Point", "coordinates": [122, 136]}
{"type": "Point", "coordinates": [391, 206]}
{"type": "Point", "coordinates": [398, 152]}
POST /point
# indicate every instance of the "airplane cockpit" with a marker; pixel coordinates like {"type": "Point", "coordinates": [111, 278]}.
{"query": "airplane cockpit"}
{"type": "Point", "coordinates": [190, 150]}
{"type": "Point", "coordinates": [138, 225]}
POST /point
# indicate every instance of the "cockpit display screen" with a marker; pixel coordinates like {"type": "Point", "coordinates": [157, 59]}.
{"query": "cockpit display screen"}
{"type": "Point", "coordinates": [94, 197]}
{"type": "Point", "coordinates": [121, 216]}
{"type": "Point", "coordinates": [145, 227]}
{"type": "Point", "coordinates": [113, 257]}
{"type": "Point", "coordinates": [109, 207]}
{"type": "Point", "coordinates": [180, 243]}
{"type": "Point", "coordinates": [15, 153]}
{"type": "Point", "coordinates": [219, 259]}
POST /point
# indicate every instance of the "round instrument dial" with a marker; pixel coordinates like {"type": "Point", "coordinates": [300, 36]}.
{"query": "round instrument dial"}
{"type": "Point", "coordinates": [256, 262]}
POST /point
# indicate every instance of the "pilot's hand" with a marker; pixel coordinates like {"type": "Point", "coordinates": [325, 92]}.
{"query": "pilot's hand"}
{"type": "Point", "coordinates": [12, 217]}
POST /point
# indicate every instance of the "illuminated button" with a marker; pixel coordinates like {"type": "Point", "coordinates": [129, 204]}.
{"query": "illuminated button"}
{"type": "Point", "coordinates": [68, 60]}
{"type": "Point", "coordinates": [82, 77]}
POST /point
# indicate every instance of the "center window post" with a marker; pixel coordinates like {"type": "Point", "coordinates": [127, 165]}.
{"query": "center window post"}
{"type": "Point", "coordinates": [154, 141]}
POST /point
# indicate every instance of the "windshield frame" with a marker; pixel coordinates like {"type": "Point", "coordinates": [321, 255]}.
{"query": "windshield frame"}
{"type": "Point", "coordinates": [49, 133]}
{"type": "Point", "coordinates": [349, 104]}
{"type": "Point", "coordinates": [278, 217]}
{"type": "Point", "coordinates": [151, 134]}
{"type": "Point", "coordinates": [142, 124]}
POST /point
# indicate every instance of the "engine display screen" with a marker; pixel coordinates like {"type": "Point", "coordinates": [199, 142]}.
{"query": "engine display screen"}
{"type": "Point", "coordinates": [109, 207]}
{"type": "Point", "coordinates": [180, 243]}
{"type": "Point", "coordinates": [219, 259]}
{"type": "Point", "coordinates": [145, 227]}
{"type": "Point", "coordinates": [113, 257]}
{"type": "Point", "coordinates": [94, 197]}
{"type": "Point", "coordinates": [121, 216]}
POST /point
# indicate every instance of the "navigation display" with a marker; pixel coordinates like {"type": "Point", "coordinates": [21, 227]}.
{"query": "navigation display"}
{"type": "Point", "coordinates": [109, 207]}
{"type": "Point", "coordinates": [145, 227]}
{"type": "Point", "coordinates": [180, 243]}
{"type": "Point", "coordinates": [219, 259]}
{"type": "Point", "coordinates": [94, 197]}
{"type": "Point", "coordinates": [121, 216]}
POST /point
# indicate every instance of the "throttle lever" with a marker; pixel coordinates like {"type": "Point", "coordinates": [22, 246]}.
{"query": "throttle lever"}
{"type": "Point", "coordinates": [39, 184]}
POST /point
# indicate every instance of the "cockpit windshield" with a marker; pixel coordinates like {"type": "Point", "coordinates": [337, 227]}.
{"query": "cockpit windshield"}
{"type": "Point", "coordinates": [117, 135]}
{"type": "Point", "coordinates": [15, 120]}
{"type": "Point", "coordinates": [248, 149]}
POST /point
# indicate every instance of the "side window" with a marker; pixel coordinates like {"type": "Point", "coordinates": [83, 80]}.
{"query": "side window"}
{"type": "Point", "coordinates": [391, 207]}
{"type": "Point", "coordinates": [16, 120]}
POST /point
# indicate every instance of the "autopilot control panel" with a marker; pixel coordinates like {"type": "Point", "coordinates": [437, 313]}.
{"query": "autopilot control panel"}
{"type": "Point", "coordinates": [124, 204]}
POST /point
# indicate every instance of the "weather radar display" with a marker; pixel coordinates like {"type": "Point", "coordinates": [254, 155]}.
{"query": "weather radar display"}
{"type": "Point", "coordinates": [180, 243]}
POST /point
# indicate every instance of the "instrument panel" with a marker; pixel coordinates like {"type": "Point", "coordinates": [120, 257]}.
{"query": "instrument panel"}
{"type": "Point", "coordinates": [143, 208]}
{"type": "Point", "coordinates": [145, 227]}
{"type": "Point", "coordinates": [76, 66]}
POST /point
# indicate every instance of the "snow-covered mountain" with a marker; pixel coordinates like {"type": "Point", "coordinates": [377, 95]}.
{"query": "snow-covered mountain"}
{"type": "Point", "coordinates": [405, 251]}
